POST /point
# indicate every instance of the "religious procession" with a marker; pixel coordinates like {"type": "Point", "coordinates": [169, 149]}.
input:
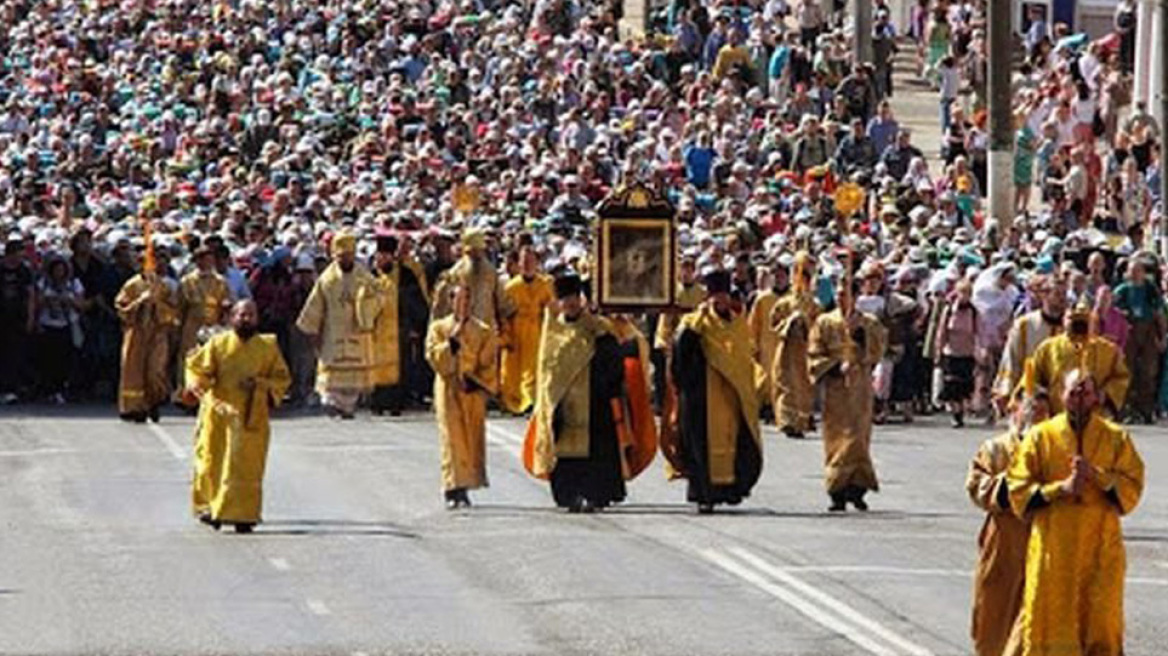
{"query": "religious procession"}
{"type": "Point", "coordinates": [670, 271]}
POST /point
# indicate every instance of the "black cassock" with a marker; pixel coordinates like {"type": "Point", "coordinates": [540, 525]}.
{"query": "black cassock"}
{"type": "Point", "coordinates": [598, 477]}
{"type": "Point", "coordinates": [689, 376]}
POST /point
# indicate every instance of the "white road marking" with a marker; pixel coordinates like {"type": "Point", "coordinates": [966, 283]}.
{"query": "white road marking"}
{"type": "Point", "coordinates": [35, 452]}
{"type": "Point", "coordinates": [280, 564]}
{"type": "Point", "coordinates": [1146, 581]}
{"type": "Point", "coordinates": [353, 448]}
{"type": "Point", "coordinates": [927, 572]}
{"type": "Point", "coordinates": [317, 607]}
{"type": "Point", "coordinates": [504, 436]}
{"type": "Point", "coordinates": [834, 604]}
{"type": "Point", "coordinates": [810, 610]}
{"type": "Point", "coordinates": [360, 653]}
{"type": "Point", "coordinates": [877, 569]}
{"type": "Point", "coordinates": [168, 441]}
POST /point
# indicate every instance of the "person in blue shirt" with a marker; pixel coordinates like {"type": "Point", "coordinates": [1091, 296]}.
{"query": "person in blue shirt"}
{"type": "Point", "coordinates": [883, 127]}
{"type": "Point", "coordinates": [699, 161]}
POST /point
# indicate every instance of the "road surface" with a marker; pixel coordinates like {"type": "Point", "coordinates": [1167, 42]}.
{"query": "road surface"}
{"type": "Point", "coordinates": [358, 555]}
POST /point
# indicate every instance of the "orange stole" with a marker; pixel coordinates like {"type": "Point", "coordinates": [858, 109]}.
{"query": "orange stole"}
{"type": "Point", "coordinates": [636, 429]}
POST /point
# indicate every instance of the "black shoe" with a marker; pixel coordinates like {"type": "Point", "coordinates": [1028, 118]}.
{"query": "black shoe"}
{"type": "Point", "coordinates": [138, 417]}
{"type": "Point", "coordinates": [792, 433]}
{"type": "Point", "coordinates": [206, 519]}
{"type": "Point", "coordinates": [464, 498]}
{"type": "Point", "coordinates": [244, 528]}
{"type": "Point", "coordinates": [348, 416]}
{"type": "Point", "coordinates": [705, 509]}
{"type": "Point", "coordinates": [839, 503]}
{"type": "Point", "coordinates": [395, 413]}
{"type": "Point", "coordinates": [155, 414]}
{"type": "Point", "coordinates": [451, 504]}
{"type": "Point", "coordinates": [860, 504]}
{"type": "Point", "coordinates": [959, 420]}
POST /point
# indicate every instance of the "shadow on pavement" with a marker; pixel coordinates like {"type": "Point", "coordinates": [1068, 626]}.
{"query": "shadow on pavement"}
{"type": "Point", "coordinates": [324, 527]}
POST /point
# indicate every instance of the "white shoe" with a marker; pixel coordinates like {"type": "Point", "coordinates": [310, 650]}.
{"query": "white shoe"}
{"type": "Point", "coordinates": [8, 399]}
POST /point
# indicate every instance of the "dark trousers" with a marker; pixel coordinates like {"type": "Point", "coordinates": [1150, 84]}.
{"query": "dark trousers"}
{"type": "Point", "coordinates": [13, 358]}
{"type": "Point", "coordinates": [1144, 362]}
{"type": "Point", "coordinates": [55, 357]}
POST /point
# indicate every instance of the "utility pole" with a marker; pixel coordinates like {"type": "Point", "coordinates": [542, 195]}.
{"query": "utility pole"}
{"type": "Point", "coordinates": [1001, 156]}
{"type": "Point", "coordinates": [1161, 51]}
{"type": "Point", "coordinates": [862, 43]}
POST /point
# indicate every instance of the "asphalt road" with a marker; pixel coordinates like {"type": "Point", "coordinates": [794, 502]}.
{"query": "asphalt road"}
{"type": "Point", "coordinates": [98, 553]}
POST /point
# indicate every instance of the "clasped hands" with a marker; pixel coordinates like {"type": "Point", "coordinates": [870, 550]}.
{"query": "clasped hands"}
{"type": "Point", "coordinates": [1082, 473]}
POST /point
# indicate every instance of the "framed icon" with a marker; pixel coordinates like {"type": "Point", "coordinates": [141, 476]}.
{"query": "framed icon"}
{"type": "Point", "coordinates": [636, 252]}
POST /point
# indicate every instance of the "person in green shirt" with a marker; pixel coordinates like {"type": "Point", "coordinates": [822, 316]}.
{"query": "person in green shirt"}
{"type": "Point", "coordinates": [1142, 304]}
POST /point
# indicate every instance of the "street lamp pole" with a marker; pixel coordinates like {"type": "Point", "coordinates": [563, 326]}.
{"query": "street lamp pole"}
{"type": "Point", "coordinates": [1001, 119]}
{"type": "Point", "coordinates": [1161, 37]}
{"type": "Point", "coordinates": [862, 53]}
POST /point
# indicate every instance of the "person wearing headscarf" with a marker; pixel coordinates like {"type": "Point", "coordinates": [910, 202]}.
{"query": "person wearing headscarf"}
{"type": "Point", "coordinates": [1074, 477]}
{"type": "Point", "coordinates": [204, 300]}
{"type": "Point", "coordinates": [592, 426]}
{"type": "Point", "coordinates": [994, 297]}
{"type": "Point", "coordinates": [148, 308]}
{"type": "Point", "coordinates": [846, 345]}
{"type": "Point", "coordinates": [999, 579]}
{"type": "Point", "coordinates": [719, 391]}
{"type": "Point", "coordinates": [463, 351]}
{"type": "Point", "coordinates": [792, 318]}
{"type": "Point", "coordinates": [1079, 348]}
{"type": "Point", "coordinates": [238, 376]}
{"type": "Point", "coordinates": [530, 293]}
{"type": "Point", "coordinates": [957, 336]}
{"type": "Point", "coordinates": [338, 315]}
{"type": "Point", "coordinates": [475, 271]}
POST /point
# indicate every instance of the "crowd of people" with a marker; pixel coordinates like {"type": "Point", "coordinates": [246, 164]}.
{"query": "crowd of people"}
{"type": "Point", "coordinates": [402, 195]}
{"type": "Point", "coordinates": [249, 133]}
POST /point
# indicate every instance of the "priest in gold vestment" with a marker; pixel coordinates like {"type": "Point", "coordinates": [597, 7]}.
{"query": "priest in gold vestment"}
{"type": "Point", "coordinates": [238, 376]}
{"type": "Point", "coordinates": [1000, 578]}
{"type": "Point", "coordinates": [1078, 347]}
{"type": "Point", "coordinates": [1074, 476]}
{"type": "Point", "coordinates": [592, 427]}
{"type": "Point", "coordinates": [383, 315]}
{"type": "Point", "coordinates": [204, 302]}
{"type": "Point", "coordinates": [792, 318]}
{"type": "Point", "coordinates": [719, 391]}
{"type": "Point", "coordinates": [530, 293]}
{"type": "Point", "coordinates": [463, 351]}
{"type": "Point", "coordinates": [846, 344]}
{"type": "Point", "coordinates": [148, 308]}
{"type": "Point", "coordinates": [762, 333]}
{"type": "Point", "coordinates": [474, 271]}
{"type": "Point", "coordinates": [344, 332]}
